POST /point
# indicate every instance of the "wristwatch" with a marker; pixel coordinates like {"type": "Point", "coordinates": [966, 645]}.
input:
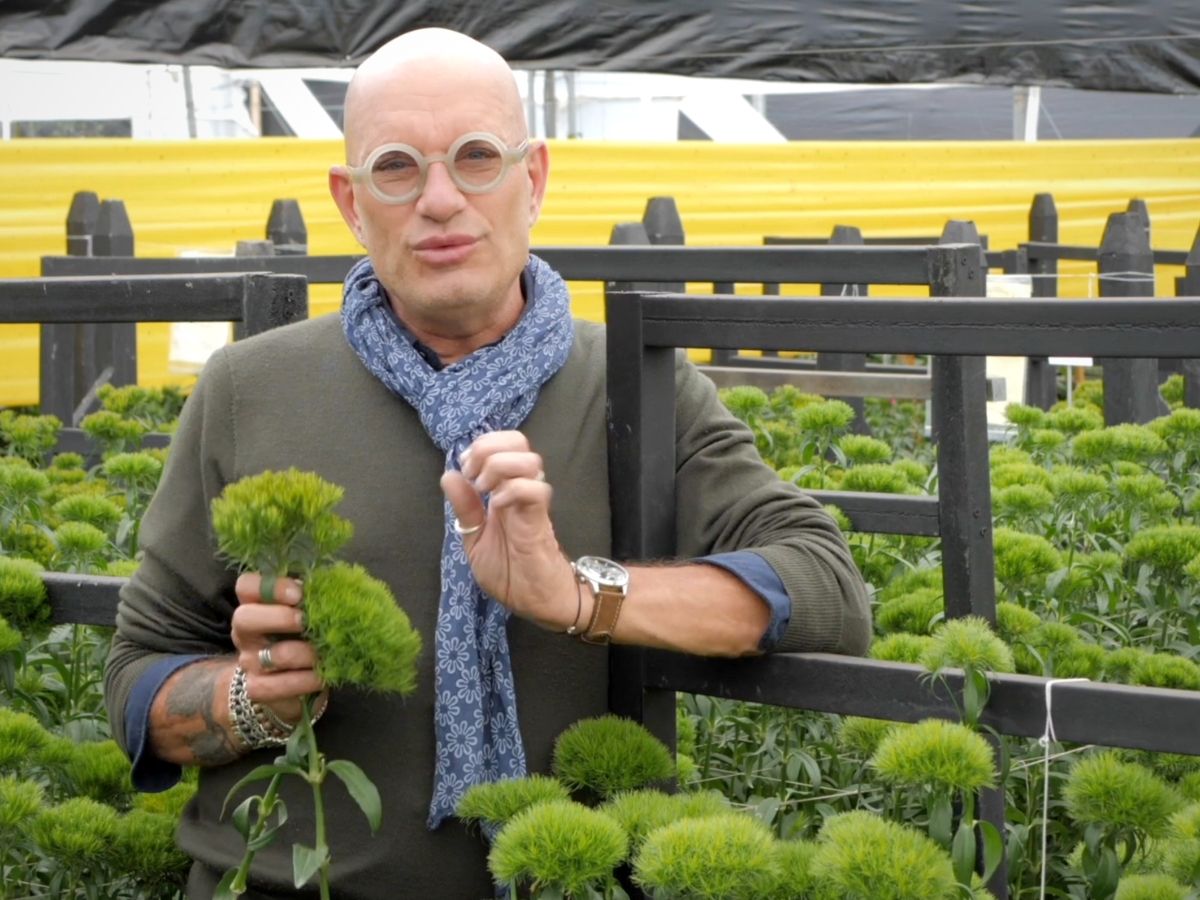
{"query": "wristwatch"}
{"type": "Point", "coordinates": [609, 582]}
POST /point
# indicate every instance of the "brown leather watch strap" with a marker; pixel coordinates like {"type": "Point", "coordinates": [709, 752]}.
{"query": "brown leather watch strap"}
{"type": "Point", "coordinates": [605, 612]}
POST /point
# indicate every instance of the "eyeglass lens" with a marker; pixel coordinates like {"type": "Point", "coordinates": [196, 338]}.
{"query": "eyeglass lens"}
{"type": "Point", "coordinates": [476, 164]}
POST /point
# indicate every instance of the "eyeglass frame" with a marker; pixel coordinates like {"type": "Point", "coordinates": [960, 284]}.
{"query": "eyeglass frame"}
{"type": "Point", "coordinates": [509, 157]}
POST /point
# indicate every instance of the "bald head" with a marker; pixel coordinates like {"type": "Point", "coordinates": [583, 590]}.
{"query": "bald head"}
{"type": "Point", "coordinates": [422, 65]}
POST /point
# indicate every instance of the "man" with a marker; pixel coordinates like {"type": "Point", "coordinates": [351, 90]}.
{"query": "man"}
{"type": "Point", "coordinates": [463, 411]}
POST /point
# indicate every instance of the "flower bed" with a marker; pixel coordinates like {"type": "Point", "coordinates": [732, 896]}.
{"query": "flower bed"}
{"type": "Point", "coordinates": [1097, 544]}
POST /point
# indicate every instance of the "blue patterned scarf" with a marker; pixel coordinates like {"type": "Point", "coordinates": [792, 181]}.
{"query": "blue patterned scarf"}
{"type": "Point", "coordinates": [493, 389]}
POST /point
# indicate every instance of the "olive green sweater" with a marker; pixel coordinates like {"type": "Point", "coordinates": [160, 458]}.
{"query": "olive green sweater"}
{"type": "Point", "coordinates": [299, 397]}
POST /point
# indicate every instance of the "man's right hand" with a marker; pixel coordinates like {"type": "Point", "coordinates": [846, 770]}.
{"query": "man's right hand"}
{"type": "Point", "coordinates": [190, 722]}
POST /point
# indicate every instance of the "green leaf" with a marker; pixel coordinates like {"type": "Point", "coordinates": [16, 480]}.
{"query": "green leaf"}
{"type": "Point", "coordinates": [361, 788]}
{"type": "Point", "coordinates": [941, 817]}
{"type": "Point", "coordinates": [616, 892]}
{"type": "Point", "coordinates": [765, 810]}
{"type": "Point", "coordinates": [962, 852]}
{"type": "Point", "coordinates": [267, 590]}
{"type": "Point", "coordinates": [241, 815]}
{"type": "Point", "coordinates": [297, 747]}
{"type": "Point", "coordinates": [225, 889]}
{"type": "Point", "coordinates": [306, 861]}
{"type": "Point", "coordinates": [260, 773]}
{"type": "Point", "coordinates": [993, 848]}
{"type": "Point", "coordinates": [268, 834]}
{"type": "Point", "coordinates": [550, 892]}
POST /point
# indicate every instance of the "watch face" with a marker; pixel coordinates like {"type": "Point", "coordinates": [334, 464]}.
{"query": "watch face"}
{"type": "Point", "coordinates": [603, 571]}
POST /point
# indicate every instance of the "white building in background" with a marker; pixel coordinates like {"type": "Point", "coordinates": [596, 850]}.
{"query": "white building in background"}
{"type": "Point", "coordinates": [169, 102]}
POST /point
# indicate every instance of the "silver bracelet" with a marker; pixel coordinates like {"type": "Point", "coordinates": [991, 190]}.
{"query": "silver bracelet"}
{"type": "Point", "coordinates": [254, 724]}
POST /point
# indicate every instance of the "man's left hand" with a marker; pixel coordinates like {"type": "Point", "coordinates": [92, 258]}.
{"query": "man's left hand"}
{"type": "Point", "coordinates": [510, 544]}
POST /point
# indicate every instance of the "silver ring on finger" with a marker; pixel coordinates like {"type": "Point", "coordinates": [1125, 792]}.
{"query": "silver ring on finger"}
{"type": "Point", "coordinates": [459, 528]}
{"type": "Point", "coordinates": [265, 662]}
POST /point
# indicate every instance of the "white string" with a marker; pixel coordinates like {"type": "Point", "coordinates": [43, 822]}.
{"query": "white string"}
{"type": "Point", "coordinates": [1048, 737]}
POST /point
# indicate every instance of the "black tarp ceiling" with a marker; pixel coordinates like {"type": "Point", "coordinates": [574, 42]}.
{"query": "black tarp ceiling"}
{"type": "Point", "coordinates": [1116, 45]}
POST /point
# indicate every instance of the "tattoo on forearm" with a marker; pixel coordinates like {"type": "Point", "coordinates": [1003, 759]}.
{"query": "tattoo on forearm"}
{"type": "Point", "coordinates": [192, 697]}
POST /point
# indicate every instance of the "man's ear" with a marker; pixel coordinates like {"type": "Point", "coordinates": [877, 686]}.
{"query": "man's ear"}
{"type": "Point", "coordinates": [538, 166]}
{"type": "Point", "coordinates": [342, 191]}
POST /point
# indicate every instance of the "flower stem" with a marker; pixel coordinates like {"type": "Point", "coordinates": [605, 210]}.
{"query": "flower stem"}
{"type": "Point", "coordinates": [264, 816]}
{"type": "Point", "coordinates": [316, 778]}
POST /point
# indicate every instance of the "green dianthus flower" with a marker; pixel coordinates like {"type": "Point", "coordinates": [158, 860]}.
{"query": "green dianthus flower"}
{"type": "Point", "coordinates": [936, 753]}
{"type": "Point", "coordinates": [608, 754]}
{"type": "Point", "coordinates": [967, 643]}
{"type": "Point", "coordinates": [559, 844]}
{"type": "Point", "coordinates": [361, 636]}
{"type": "Point", "coordinates": [861, 856]}
{"type": "Point", "coordinates": [1104, 790]}
{"type": "Point", "coordinates": [495, 802]}
{"type": "Point", "coordinates": [900, 647]}
{"type": "Point", "coordinates": [738, 859]}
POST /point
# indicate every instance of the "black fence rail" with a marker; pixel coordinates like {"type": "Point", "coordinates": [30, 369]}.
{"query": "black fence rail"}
{"type": "Point", "coordinates": [254, 302]}
{"type": "Point", "coordinates": [958, 333]}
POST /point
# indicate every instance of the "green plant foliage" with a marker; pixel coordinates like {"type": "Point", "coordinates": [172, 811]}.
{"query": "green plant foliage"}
{"type": "Point", "coordinates": [861, 856]}
{"type": "Point", "coordinates": [794, 860]}
{"type": "Point", "coordinates": [829, 417]}
{"type": "Point", "coordinates": [81, 547]}
{"type": "Point", "coordinates": [1025, 417]}
{"type": "Point", "coordinates": [861, 735]}
{"type": "Point", "coordinates": [1021, 501]}
{"type": "Point", "coordinates": [113, 433]}
{"type": "Point", "coordinates": [900, 647]}
{"type": "Point", "coordinates": [843, 521]}
{"type": "Point", "coordinates": [914, 579]}
{"type": "Point", "coordinates": [1134, 443]}
{"type": "Point", "coordinates": [23, 599]}
{"type": "Point", "coordinates": [967, 642]}
{"type": "Point", "coordinates": [30, 437]}
{"type": "Point", "coordinates": [1090, 393]}
{"type": "Point", "coordinates": [143, 846]}
{"type": "Point", "coordinates": [746, 402]}
{"type": "Point", "coordinates": [21, 490]}
{"type": "Point", "coordinates": [876, 478]}
{"type": "Point", "coordinates": [1073, 420]}
{"type": "Point", "coordinates": [608, 754]}
{"type": "Point", "coordinates": [19, 802]}
{"type": "Point", "coordinates": [558, 844]}
{"type": "Point", "coordinates": [1018, 473]}
{"type": "Point", "coordinates": [1107, 791]}
{"type": "Point", "coordinates": [152, 407]}
{"type": "Point", "coordinates": [99, 770]}
{"type": "Point", "coordinates": [279, 522]}
{"type": "Point", "coordinates": [640, 812]}
{"type": "Point", "coordinates": [1073, 485]}
{"type": "Point", "coordinates": [860, 449]}
{"type": "Point", "coordinates": [121, 568]}
{"type": "Point", "coordinates": [1120, 663]}
{"type": "Point", "coordinates": [1150, 887]}
{"type": "Point", "coordinates": [1181, 850]}
{"type": "Point", "coordinates": [171, 801]}
{"type": "Point", "coordinates": [1007, 455]}
{"type": "Point", "coordinates": [361, 636]}
{"type": "Point", "coordinates": [916, 612]}
{"type": "Point", "coordinates": [21, 735]}
{"type": "Point", "coordinates": [1168, 548]}
{"type": "Point", "coordinates": [99, 512]}
{"type": "Point", "coordinates": [1014, 622]}
{"type": "Point", "coordinates": [77, 832]}
{"type": "Point", "coordinates": [935, 753]}
{"type": "Point", "coordinates": [138, 472]}
{"type": "Point", "coordinates": [915, 471]}
{"type": "Point", "coordinates": [714, 858]}
{"type": "Point", "coordinates": [495, 802]}
{"type": "Point", "coordinates": [1023, 560]}
{"type": "Point", "coordinates": [1166, 670]}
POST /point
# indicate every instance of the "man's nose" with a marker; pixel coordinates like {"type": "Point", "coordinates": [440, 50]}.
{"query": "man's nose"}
{"type": "Point", "coordinates": [441, 197]}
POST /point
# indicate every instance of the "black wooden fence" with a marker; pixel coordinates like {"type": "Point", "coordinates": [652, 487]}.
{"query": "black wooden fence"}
{"type": "Point", "coordinates": [645, 328]}
{"type": "Point", "coordinates": [958, 333]}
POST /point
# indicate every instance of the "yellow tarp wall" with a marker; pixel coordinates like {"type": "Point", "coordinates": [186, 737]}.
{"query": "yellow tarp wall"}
{"type": "Point", "coordinates": [206, 195]}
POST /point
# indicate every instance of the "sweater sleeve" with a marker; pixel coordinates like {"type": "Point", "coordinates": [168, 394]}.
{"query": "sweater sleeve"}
{"type": "Point", "coordinates": [180, 600]}
{"type": "Point", "coordinates": [728, 499]}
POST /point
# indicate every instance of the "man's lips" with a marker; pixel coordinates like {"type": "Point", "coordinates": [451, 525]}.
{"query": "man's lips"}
{"type": "Point", "coordinates": [445, 250]}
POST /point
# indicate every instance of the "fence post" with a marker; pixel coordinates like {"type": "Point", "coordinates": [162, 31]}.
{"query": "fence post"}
{"type": "Point", "coordinates": [286, 228]}
{"type": "Point", "coordinates": [56, 355]}
{"type": "Point", "coordinates": [74, 367]}
{"type": "Point", "coordinates": [1137, 207]}
{"type": "Point", "coordinates": [1126, 269]}
{"type": "Point", "coordinates": [964, 485]}
{"type": "Point", "coordinates": [1188, 285]}
{"type": "Point", "coordinates": [847, 362]}
{"type": "Point", "coordinates": [1041, 379]}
